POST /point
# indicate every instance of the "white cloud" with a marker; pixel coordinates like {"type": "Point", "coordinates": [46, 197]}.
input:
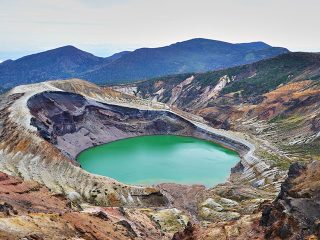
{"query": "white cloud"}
{"type": "Point", "coordinates": [42, 24]}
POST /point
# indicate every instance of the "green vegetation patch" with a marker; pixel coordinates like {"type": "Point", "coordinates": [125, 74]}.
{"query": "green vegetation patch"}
{"type": "Point", "coordinates": [280, 162]}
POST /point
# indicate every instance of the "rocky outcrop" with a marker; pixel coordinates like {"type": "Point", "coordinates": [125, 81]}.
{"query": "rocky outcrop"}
{"type": "Point", "coordinates": [29, 210]}
{"type": "Point", "coordinates": [20, 197]}
{"type": "Point", "coordinates": [246, 228]}
{"type": "Point", "coordinates": [295, 212]}
{"type": "Point", "coordinates": [190, 232]}
{"type": "Point", "coordinates": [177, 90]}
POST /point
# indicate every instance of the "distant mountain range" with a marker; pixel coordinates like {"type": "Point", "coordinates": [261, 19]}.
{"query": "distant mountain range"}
{"type": "Point", "coordinates": [196, 55]}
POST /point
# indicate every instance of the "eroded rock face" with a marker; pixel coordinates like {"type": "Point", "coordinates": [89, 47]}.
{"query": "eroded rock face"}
{"type": "Point", "coordinates": [73, 123]}
{"type": "Point", "coordinates": [295, 212]}
{"type": "Point", "coordinates": [21, 197]}
{"type": "Point", "coordinates": [246, 228]}
{"type": "Point", "coordinates": [29, 210]}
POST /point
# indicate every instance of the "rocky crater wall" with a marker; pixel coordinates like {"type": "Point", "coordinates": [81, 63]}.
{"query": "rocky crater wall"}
{"type": "Point", "coordinates": [25, 154]}
{"type": "Point", "coordinates": [73, 123]}
{"type": "Point", "coordinates": [43, 129]}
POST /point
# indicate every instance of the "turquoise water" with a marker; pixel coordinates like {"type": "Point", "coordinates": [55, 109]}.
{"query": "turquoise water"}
{"type": "Point", "coordinates": [160, 158]}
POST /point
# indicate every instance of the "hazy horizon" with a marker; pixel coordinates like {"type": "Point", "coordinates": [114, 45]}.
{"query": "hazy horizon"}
{"type": "Point", "coordinates": [110, 53]}
{"type": "Point", "coordinates": [106, 27]}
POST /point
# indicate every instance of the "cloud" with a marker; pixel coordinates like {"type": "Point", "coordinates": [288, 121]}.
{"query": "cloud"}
{"type": "Point", "coordinates": [42, 24]}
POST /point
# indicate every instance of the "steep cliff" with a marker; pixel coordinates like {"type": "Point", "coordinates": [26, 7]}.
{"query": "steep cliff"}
{"type": "Point", "coordinates": [295, 212]}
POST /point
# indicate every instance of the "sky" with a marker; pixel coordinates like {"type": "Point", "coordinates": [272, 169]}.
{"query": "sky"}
{"type": "Point", "coordinates": [103, 27]}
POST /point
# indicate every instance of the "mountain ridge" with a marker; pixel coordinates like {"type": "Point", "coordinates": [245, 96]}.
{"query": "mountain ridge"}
{"type": "Point", "coordinates": [187, 56]}
{"type": "Point", "coordinates": [250, 77]}
{"type": "Point", "coordinates": [195, 55]}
